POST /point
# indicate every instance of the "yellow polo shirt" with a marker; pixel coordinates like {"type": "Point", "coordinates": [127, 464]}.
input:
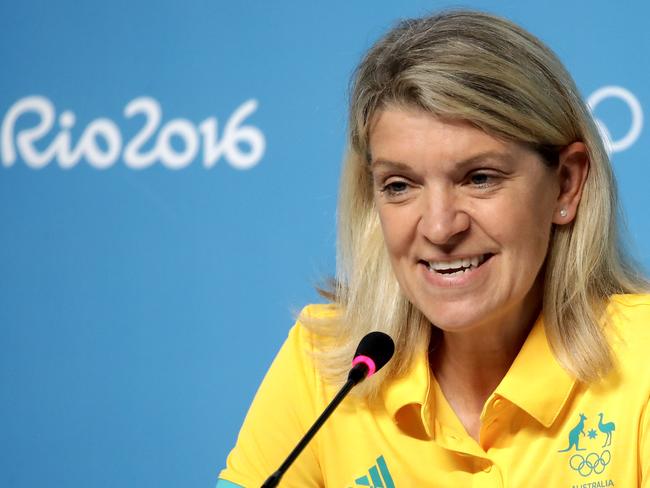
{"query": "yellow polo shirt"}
{"type": "Point", "coordinates": [540, 427]}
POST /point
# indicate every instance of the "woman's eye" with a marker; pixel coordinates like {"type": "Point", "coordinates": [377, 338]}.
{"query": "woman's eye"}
{"type": "Point", "coordinates": [481, 180]}
{"type": "Point", "coordinates": [394, 188]}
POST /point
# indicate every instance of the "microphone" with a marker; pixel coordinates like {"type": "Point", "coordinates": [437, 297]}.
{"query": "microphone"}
{"type": "Point", "coordinates": [372, 354]}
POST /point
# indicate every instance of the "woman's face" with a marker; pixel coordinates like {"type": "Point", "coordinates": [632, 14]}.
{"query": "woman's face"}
{"type": "Point", "coordinates": [466, 219]}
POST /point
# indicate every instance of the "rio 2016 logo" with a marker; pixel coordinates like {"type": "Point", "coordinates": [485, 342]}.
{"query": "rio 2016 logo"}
{"type": "Point", "coordinates": [24, 142]}
{"type": "Point", "coordinates": [101, 156]}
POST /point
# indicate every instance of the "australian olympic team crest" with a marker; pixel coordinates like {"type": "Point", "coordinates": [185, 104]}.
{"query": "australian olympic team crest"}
{"type": "Point", "coordinates": [588, 449]}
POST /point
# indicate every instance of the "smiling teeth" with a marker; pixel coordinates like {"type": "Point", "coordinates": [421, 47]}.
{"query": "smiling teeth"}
{"type": "Point", "coordinates": [458, 264]}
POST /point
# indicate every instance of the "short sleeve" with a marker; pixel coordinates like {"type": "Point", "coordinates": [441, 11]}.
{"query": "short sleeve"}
{"type": "Point", "coordinates": [282, 411]}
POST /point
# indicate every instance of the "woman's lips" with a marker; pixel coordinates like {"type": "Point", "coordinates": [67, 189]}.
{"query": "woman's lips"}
{"type": "Point", "coordinates": [457, 272]}
{"type": "Point", "coordinates": [457, 265]}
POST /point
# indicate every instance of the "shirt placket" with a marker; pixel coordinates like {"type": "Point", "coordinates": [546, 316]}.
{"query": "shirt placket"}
{"type": "Point", "coordinates": [475, 455]}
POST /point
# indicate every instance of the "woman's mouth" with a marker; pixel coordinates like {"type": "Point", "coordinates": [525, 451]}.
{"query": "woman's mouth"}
{"type": "Point", "coordinates": [457, 266]}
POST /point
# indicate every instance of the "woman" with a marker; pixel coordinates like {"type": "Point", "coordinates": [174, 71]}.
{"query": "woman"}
{"type": "Point", "coordinates": [477, 228]}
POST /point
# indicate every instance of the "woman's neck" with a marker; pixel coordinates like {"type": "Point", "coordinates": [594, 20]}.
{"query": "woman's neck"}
{"type": "Point", "coordinates": [469, 365]}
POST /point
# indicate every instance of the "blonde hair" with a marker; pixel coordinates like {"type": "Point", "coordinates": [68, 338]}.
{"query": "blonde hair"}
{"type": "Point", "coordinates": [486, 70]}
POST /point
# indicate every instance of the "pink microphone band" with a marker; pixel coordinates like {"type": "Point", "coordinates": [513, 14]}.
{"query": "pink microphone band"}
{"type": "Point", "coordinates": [368, 362]}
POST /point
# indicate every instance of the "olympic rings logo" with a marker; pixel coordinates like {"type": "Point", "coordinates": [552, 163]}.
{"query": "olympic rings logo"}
{"type": "Point", "coordinates": [591, 463]}
{"type": "Point", "coordinates": [636, 114]}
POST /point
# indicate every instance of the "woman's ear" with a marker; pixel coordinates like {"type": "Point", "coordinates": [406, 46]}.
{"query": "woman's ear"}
{"type": "Point", "coordinates": [573, 169]}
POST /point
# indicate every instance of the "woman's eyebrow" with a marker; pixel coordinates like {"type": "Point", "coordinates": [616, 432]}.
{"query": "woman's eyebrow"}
{"type": "Point", "coordinates": [499, 156]}
{"type": "Point", "coordinates": [388, 164]}
{"type": "Point", "coordinates": [496, 156]}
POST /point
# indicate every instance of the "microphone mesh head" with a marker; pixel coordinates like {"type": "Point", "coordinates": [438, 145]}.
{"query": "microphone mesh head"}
{"type": "Point", "coordinates": [377, 346]}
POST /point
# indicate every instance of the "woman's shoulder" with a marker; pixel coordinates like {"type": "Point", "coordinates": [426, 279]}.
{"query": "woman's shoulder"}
{"type": "Point", "coordinates": [319, 311]}
{"type": "Point", "coordinates": [629, 315]}
{"type": "Point", "coordinates": [632, 300]}
{"type": "Point", "coordinates": [317, 324]}
{"type": "Point", "coordinates": [314, 331]}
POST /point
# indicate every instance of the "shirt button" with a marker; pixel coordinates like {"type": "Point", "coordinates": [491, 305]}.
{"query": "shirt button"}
{"type": "Point", "coordinates": [488, 468]}
{"type": "Point", "coordinates": [498, 403]}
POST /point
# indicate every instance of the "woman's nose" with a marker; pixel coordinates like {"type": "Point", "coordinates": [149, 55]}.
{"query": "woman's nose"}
{"type": "Point", "coordinates": [443, 218]}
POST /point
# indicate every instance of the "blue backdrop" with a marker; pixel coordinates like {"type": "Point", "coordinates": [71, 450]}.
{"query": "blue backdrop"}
{"type": "Point", "coordinates": [168, 176]}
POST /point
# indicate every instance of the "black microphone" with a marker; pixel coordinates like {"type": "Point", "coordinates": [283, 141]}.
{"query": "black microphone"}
{"type": "Point", "coordinates": [372, 354]}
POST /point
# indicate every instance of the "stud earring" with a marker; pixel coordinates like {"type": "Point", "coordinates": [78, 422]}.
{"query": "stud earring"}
{"type": "Point", "coordinates": [563, 212]}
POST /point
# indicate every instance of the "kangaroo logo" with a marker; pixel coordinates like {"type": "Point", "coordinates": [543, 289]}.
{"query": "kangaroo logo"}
{"type": "Point", "coordinates": [574, 435]}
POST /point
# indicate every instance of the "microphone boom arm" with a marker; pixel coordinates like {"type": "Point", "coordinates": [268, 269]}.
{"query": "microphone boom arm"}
{"type": "Point", "coordinates": [357, 374]}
